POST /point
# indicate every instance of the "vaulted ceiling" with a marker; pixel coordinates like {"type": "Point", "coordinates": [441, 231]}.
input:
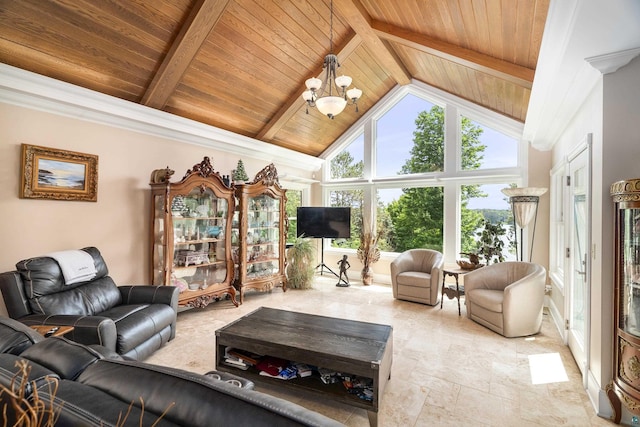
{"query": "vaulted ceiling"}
{"type": "Point", "coordinates": [240, 65]}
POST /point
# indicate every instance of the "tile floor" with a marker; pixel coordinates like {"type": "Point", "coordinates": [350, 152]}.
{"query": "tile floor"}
{"type": "Point", "coordinates": [447, 370]}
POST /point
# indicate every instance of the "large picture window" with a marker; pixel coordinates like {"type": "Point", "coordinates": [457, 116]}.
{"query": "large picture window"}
{"type": "Point", "coordinates": [429, 176]}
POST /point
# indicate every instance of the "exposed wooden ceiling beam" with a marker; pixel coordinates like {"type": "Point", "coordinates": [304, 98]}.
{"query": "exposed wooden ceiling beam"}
{"type": "Point", "coordinates": [356, 16]}
{"type": "Point", "coordinates": [293, 105]}
{"type": "Point", "coordinates": [203, 17]}
{"type": "Point", "coordinates": [516, 74]}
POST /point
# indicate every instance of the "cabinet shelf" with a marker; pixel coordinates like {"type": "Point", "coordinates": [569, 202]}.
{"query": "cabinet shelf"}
{"type": "Point", "coordinates": [195, 242]}
{"type": "Point", "coordinates": [186, 218]}
{"type": "Point", "coordinates": [250, 245]}
{"type": "Point", "coordinates": [177, 267]}
{"type": "Point", "coordinates": [258, 261]}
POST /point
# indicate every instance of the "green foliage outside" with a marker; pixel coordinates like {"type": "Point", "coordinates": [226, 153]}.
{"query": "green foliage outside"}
{"type": "Point", "coordinates": [294, 199]}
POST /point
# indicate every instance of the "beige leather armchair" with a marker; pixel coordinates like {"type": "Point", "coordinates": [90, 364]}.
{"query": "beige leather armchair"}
{"type": "Point", "coordinates": [506, 297]}
{"type": "Point", "coordinates": [416, 275]}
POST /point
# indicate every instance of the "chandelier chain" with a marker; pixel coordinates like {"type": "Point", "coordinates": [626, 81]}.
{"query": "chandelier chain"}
{"type": "Point", "coordinates": [331, 27]}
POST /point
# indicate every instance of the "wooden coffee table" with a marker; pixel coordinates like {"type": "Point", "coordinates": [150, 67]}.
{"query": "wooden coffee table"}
{"type": "Point", "coordinates": [345, 346]}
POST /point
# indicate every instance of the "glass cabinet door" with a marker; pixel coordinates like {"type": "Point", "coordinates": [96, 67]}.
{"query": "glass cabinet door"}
{"type": "Point", "coordinates": [157, 251]}
{"type": "Point", "coordinates": [198, 223]}
{"type": "Point", "coordinates": [263, 236]}
{"type": "Point", "coordinates": [630, 270]}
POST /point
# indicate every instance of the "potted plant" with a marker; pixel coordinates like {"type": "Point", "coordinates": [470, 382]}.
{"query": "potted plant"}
{"type": "Point", "coordinates": [368, 253]}
{"type": "Point", "coordinates": [300, 264]}
{"type": "Point", "coordinates": [491, 243]}
{"type": "Point", "coordinates": [239, 175]}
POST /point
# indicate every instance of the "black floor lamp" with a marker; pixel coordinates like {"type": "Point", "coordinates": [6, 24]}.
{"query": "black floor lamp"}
{"type": "Point", "coordinates": [524, 205]}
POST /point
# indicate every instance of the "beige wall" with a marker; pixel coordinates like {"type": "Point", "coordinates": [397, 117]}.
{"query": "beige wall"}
{"type": "Point", "coordinates": [118, 223]}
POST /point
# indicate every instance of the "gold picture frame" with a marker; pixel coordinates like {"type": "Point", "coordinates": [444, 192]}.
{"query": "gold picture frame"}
{"type": "Point", "coordinates": [50, 173]}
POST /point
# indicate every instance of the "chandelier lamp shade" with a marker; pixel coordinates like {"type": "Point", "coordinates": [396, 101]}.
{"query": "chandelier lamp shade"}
{"type": "Point", "coordinates": [330, 96]}
{"type": "Point", "coordinates": [524, 205]}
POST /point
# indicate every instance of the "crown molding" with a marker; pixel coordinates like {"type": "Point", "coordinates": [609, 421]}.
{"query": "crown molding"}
{"type": "Point", "coordinates": [582, 40]}
{"type": "Point", "coordinates": [612, 62]}
{"type": "Point", "coordinates": [37, 92]}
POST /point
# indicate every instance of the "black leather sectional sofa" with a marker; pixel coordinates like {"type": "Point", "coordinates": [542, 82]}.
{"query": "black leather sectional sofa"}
{"type": "Point", "coordinates": [97, 387]}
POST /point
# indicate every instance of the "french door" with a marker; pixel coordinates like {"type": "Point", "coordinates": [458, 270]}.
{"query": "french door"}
{"type": "Point", "coordinates": [578, 296]}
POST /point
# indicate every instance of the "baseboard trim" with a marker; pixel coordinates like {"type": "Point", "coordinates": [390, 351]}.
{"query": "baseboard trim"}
{"type": "Point", "coordinates": [558, 320]}
{"type": "Point", "coordinates": [598, 398]}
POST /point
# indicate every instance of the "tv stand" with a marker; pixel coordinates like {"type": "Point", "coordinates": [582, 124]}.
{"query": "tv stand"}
{"type": "Point", "coordinates": [322, 265]}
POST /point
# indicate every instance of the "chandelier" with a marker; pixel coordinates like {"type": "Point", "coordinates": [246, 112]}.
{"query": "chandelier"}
{"type": "Point", "coordinates": [330, 104]}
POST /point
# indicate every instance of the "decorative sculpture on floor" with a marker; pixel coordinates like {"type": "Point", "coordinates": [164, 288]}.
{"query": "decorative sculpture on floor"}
{"type": "Point", "coordinates": [344, 266]}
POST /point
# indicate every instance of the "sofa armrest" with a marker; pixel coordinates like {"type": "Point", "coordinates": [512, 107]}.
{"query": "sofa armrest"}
{"type": "Point", "coordinates": [86, 329]}
{"type": "Point", "coordinates": [13, 295]}
{"type": "Point", "coordinates": [10, 371]}
{"type": "Point", "coordinates": [525, 297]}
{"type": "Point", "coordinates": [64, 357]}
{"type": "Point", "coordinates": [147, 294]}
{"type": "Point", "coordinates": [15, 336]}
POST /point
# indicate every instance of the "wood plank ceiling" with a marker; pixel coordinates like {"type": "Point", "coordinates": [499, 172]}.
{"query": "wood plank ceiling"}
{"type": "Point", "coordinates": [241, 64]}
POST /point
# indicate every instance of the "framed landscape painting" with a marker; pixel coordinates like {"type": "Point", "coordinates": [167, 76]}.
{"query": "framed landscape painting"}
{"type": "Point", "coordinates": [49, 173]}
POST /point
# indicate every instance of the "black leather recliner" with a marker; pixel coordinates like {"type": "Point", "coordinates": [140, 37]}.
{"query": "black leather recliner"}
{"type": "Point", "coordinates": [133, 321]}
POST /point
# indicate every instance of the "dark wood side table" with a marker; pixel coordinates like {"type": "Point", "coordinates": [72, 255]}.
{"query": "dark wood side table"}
{"type": "Point", "coordinates": [449, 290]}
{"type": "Point", "coordinates": [44, 329]}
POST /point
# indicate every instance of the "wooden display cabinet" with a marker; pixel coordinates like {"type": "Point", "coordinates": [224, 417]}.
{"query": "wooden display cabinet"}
{"type": "Point", "coordinates": [625, 386]}
{"type": "Point", "coordinates": [259, 233]}
{"type": "Point", "coordinates": [191, 222]}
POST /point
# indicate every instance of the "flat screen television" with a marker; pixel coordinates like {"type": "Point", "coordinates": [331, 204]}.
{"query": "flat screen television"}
{"type": "Point", "coordinates": [324, 222]}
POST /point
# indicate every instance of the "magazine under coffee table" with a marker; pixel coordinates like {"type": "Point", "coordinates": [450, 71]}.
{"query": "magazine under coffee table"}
{"type": "Point", "coordinates": [350, 347]}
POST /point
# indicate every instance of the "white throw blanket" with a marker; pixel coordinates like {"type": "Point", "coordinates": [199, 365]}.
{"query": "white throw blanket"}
{"type": "Point", "coordinates": [76, 265]}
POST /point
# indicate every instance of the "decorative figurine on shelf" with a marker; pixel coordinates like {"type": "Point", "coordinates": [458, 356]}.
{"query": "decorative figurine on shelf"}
{"type": "Point", "coordinates": [239, 175]}
{"type": "Point", "coordinates": [160, 176]}
{"type": "Point", "coordinates": [344, 266]}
